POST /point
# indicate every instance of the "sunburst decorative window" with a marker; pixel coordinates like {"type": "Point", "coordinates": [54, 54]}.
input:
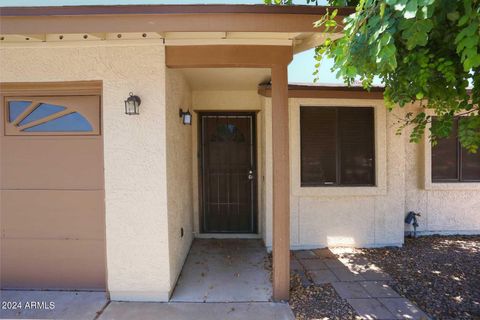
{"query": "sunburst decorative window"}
{"type": "Point", "coordinates": [53, 115]}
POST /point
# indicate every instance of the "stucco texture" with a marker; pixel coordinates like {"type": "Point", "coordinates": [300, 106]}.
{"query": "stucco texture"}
{"type": "Point", "coordinates": [179, 172]}
{"type": "Point", "coordinates": [134, 148]}
{"type": "Point", "coordinates": [445, 208]}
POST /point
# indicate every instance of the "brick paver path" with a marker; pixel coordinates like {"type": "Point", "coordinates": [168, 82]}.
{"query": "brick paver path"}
{"type": "Point", "coordinates": [364, 286]}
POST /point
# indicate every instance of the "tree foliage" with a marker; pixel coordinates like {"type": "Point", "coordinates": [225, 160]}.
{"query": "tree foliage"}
{"type": "Point", "coordinates": [422, 50]}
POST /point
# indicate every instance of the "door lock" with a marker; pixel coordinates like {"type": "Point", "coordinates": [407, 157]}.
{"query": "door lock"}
{"type": "Point", "coordinates": [250, 175]}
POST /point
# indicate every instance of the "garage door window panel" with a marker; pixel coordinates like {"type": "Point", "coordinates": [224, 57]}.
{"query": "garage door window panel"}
{"type": "Point", "coordinates": [42, 111]}
{"type": "Point", "coordinates": [66, 123]}
{"type": "Point", "coordinates": [16, 108]}
{"type": "Point", "coordinates": [69, 115]}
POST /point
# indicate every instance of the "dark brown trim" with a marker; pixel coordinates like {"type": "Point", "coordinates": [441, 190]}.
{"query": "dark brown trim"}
{"type": "Point", "coordinates": [162, 18]}
{"type": "Point", "coordinates": [166, 9]}
{"type": "Point", "coordinates": [93, 87]}
{"type": "Point", "coordinates": [316, 91]}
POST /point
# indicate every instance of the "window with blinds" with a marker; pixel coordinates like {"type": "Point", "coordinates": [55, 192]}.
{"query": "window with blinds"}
{"type": "Point", "coordinates": [452, 163]}
{"type": "Point", "coordinates": [337, 146]}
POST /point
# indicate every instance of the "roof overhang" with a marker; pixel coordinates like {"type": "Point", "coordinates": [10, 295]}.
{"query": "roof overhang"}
{"type": "Point", "coordinates": [172, 24]}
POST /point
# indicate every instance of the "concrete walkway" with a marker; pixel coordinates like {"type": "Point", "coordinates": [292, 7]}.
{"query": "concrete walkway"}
{"type": "Point", "coordinates": [364, 286]}
{"type": "Point", "coordinates": [22, 304]}
{"type": "Point", "coordinates": [94, 306]}
{"type": "Point", "coordinates": [224, 270]}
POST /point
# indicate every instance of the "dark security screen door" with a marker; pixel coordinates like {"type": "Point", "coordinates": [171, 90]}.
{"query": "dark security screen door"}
{"type": "Point", "coordinates": [228, 181]}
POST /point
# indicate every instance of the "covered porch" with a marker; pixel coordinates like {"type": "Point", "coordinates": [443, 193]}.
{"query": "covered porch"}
{"type": "Point", "coordinates": [265, 169]}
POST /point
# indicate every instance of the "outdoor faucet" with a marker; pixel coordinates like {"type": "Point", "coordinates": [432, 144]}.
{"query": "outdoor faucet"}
{"type": "Point", "coordinates": [411, 218]}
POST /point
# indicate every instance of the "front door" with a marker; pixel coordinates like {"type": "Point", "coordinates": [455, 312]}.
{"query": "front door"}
{"type": "Point", "coordinates": [228, 167]}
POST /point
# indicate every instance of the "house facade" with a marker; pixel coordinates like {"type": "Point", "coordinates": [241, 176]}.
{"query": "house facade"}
{"type": "Point", "coordinates": [94, 198]}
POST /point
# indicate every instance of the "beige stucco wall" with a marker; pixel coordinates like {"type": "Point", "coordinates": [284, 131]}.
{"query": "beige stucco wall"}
{"type": "Point", "coordinates": [134, 147]}
{"type": "Point", "coordinates": [342, 216]}
{"type": "Point", "coordinates": [446, 208]}
{"type": "Point", "coordinates": [266, 158]}
{"type": "Point", "coordinates": [179, 173]}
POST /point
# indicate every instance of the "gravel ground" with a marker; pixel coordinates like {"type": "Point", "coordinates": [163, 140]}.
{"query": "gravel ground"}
{"type": "Point", "coordinates": [315, 302]}
{"type": "Point", "coordinates": [441, 274]}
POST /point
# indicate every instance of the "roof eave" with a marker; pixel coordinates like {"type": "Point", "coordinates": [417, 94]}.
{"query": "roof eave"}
{"type": "Point", "coordinates": [167, 9]}
{"type": "Point", "coordinates": [162, 18]}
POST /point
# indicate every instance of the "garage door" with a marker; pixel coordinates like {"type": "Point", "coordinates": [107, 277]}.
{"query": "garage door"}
{"type": "Point", "coordinates": [52, 188]}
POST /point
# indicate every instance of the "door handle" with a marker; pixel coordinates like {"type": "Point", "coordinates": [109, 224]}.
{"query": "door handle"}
{"type": "Point", "coordinates": [250, 175]}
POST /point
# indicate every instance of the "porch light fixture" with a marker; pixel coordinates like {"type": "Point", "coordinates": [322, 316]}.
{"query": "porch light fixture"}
{"type": "Point", "coordinates": [132, 104]}
{"type": "Point", "coordinates": [186, 117]}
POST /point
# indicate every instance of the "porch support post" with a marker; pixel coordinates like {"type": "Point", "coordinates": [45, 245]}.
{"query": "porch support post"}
{"type": "Point", "coordinates": [281, 184]}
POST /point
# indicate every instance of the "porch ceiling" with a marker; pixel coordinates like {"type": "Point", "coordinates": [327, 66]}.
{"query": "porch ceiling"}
{"type": "Point", "coordinates": [204, 79]}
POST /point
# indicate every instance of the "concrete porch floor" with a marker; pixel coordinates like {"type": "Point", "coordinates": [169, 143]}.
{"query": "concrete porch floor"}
{"type": "Point", "coordinates": [33, 304]}
{"type": "Point", "coordinates": [225, 270]}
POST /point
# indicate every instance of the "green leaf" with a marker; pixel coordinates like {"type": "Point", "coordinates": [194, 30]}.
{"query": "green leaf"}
{"type": "Point", "coordinates": [425, 2]}
{"type": "Point", "coordinates": [411, 9]}
{"type": "Point", "coordinates": [422, 50]}
{"type": "Point", "coordinates": [334, 14]}
{"type": "Point", "coordinates": [453, 16]}
{"type": "Point", "coordinates": [416, 34]}
{"type": "Point", "coordinates": [382, 9]}
{"type": "Point", "coordinates": [400, 5]}
{"type": "Point", "coordinates": [463, 20]}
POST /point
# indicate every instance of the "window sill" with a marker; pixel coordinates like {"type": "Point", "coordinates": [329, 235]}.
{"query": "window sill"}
{"type": "Point", "coordinates": [452, 186]}
{"type": "Point", "coordinates": [338, 191]}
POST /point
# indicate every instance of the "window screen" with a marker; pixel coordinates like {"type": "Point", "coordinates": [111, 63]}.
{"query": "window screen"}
{"type": "Point", "coordinates": [337, 146]}
{"type": "Point", "coordinates": [452, 163]}
{"type": "Point", "coordinates": [445, 158]}
{"type": "Point", "coordinates": [318, 145]}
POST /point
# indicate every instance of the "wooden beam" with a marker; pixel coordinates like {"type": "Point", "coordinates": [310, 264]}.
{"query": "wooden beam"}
{"type": "Point", "coordinates": [281, 184]}
{"type": "Point", "coordinates": [227, 56]}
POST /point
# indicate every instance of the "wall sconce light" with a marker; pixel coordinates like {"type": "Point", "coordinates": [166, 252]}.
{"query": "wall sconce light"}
{"type": "Point", "coordinates": [186, 117]}
{"type": "Point", "coordinates": [132, 104]}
